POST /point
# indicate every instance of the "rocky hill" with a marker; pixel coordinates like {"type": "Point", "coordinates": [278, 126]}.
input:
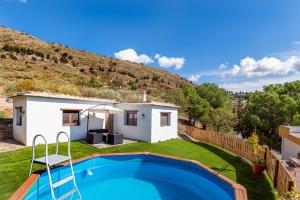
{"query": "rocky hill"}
{"type": "Point", "coordinates": [28, 63]}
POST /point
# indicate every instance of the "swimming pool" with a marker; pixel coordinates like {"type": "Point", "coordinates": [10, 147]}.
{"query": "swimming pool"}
{"type": "Point", "coordinates": [137, 177]}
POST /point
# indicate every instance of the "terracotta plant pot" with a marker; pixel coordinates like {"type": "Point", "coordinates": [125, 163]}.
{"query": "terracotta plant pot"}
{"type": "Point", "coordinates": [258, 168]}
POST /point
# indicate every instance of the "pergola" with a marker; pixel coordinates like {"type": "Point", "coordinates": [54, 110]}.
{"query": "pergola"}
{"type": "Point", "coordinates": [107, 109]}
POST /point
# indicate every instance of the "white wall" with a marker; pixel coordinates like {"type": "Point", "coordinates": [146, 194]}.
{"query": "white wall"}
{"type": "Point", "coordinates": [44, 116]}
{"type": "Point", "coordinates": [148, 128]}
{"type": "Point", "coordinates": [142, 131]}
{"type": "Point", "coordinates": [162, 133]}
{"type": "Point", "coordinates": [19, 132]}
{"type": "Point", "coordinates": [289, 149]}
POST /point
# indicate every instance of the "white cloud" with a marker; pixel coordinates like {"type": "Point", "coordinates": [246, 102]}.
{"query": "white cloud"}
{"type": "Point", "coordinates": [268, 65]}
{"type": "Point", "coordinates": [223, 66]}
{"type": "Point", "coordinates": [194, 78]}
{"type": "Point", "coordinates": [22, 1]}
{"type": "Point", "coordinates": [131, 55]}
{"type": "Point", "coordinates": [167, 62]}
{"type": "Point", "coordinates": [297, 42]}
{"type": "Point", "coordinates": [258, 83]}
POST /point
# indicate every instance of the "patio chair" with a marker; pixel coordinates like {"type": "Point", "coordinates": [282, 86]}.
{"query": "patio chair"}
{"type": "Point", "coordinates": [114, 138]}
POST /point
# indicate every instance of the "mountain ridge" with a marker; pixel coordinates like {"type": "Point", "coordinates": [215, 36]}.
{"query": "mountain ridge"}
{"type": "Point", "coordinates": [29, 63]}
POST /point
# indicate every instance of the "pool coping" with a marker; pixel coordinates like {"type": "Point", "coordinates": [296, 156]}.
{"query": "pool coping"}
{"type": "Point", "coordinates": [240, 193]}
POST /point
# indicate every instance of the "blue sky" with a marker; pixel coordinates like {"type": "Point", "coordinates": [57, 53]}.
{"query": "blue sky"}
{"type": "Point", "coordinates": [240, 45]}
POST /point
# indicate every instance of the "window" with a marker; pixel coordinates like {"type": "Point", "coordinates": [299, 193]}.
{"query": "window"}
{"type": "Point", "coordinates": [165, 119]}
{"type": "Point", "coordinates": [71, 118]}
{"type": "Point", "coordinates": [19, 116]}
{"type": "Point", "coordinates": [131, 118]}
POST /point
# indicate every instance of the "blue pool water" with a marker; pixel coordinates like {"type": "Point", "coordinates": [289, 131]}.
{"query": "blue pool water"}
{"type": "Point", "coordinates": [135, 177]}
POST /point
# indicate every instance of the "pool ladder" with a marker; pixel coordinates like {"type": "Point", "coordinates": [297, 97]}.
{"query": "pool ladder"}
{"type": "Point", "coordinates": [52, 160]}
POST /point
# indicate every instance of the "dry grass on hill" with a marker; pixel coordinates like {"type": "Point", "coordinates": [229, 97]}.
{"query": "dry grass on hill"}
{"type": "Point", "coordinates": [28, 63]}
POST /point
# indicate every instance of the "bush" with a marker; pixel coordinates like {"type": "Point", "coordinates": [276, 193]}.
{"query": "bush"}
{"type": "Point", "coordinates": [12, 56]}
{"type": "Point", "coordinates": [92, 70]}
{"type": "Point", "coordinates": [64, 60]}
{"type": "Point", "coordinates": [117, 83]}
{"type": "Point", "coordinates": [3, 56]}
{"type": "Point", "coordinates": [21, 86]}
{"type": "Point", "coordinates": [94, 82]}
{"type": "Point", "coordinates": [33, 58]}
{"type": "Point", "coordinates": [155, 78]}
{"type": "Point", "coordinates": [69, 89]}
{"type": "Point", "coordinates": [133, 85]}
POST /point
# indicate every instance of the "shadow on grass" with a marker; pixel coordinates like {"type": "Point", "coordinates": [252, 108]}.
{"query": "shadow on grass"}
{"type": "Point", "coordinates": [258, 187]}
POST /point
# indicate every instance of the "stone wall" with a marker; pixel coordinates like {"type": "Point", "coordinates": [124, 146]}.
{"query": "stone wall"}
{"type": "Point", "coordinates": [6, 128]}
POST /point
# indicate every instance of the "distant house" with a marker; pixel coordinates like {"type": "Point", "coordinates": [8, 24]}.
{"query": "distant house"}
{"type": "Point", "coordinates": [290, 145]}
{"type": "Point", "coordinates": [47, 114]}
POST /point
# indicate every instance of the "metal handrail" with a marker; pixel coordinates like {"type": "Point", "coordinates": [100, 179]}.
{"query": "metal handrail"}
{"type": "Point", "coordinates": [33, 150]}
{"type": "Point", "coordinates": [47, 161]}
{"type": "Point", "coordinates": [57, 141]}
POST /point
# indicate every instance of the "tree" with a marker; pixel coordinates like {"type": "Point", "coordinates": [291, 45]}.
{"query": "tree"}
{"type": "Point", "coordinates": [177, 97]}
{"type": "Point", "coordinates": [205, 118]}
{"type": "Point", "coordinates": [296, 120]}
{"type": "Point", "coordinates": [275, 105]}
{"type": "Point", "coordinates": [216, 96]}
{"type": "Point", "coordinates": [222, 119]}
{"type": "Point", "coordinates": [196, 106]}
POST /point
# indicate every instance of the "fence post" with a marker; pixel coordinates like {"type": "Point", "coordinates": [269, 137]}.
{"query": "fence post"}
{"type": "Point", "coordinates": [276, 173]}
{"type": "Point", "coordinates": [291, 185]}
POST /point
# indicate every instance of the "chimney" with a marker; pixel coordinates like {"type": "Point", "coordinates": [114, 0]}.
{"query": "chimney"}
{"type": "Point", "coordinates": [145, 96]}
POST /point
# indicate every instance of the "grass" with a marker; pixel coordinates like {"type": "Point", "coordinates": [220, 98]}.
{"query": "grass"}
{"type": "Point", "coordinates": [15, 165]}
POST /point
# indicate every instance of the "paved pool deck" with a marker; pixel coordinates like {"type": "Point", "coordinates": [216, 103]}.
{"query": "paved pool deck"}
{"type": "Point", "coordinates": [9, 145]}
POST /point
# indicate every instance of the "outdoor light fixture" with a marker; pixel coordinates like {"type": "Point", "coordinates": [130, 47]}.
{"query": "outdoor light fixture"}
{"type": "Point", "coordinates": [143, 115]}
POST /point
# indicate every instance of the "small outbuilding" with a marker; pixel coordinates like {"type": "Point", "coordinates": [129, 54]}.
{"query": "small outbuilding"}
{"type": "Point", "coordinates": [290, 142]}
{"type": "Point", "coordinates": [47, 114]}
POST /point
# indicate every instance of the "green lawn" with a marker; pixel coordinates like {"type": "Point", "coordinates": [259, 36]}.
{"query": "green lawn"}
{"type": "Point", "coordinates": [14, 165]}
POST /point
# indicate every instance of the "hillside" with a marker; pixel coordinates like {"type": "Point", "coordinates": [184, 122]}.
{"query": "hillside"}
{"type": "Point", "coordinates": [28, 63]}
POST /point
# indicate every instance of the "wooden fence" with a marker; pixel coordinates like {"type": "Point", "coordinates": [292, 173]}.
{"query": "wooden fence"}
{"type": "Point", "coordinates": [280, 176]}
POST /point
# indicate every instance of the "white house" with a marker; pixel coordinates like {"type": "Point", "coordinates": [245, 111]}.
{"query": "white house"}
{"type": "Point", "coordinates": [47, 114]}
{"type": "Point", "coordinates": [290, 145]}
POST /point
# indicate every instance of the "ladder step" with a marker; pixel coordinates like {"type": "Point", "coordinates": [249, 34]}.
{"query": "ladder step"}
{"type": "Point", "coordinates": [66, 195]}
{"type": "Point", "coordinates": [53, 159]}
{"type": "Point", "coordinates": [61, 182]}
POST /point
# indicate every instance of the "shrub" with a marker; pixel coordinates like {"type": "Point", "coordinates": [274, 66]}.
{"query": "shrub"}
{"type": "Point", "coordinates": [155, 78]}
{"type": "Point", "coordinates": [21, 86]}
{"type": "Point", "coordinates": [92, 70]}
{"type": "Point", "coordinates": [69, 89]}
{"type": "Point", "coordinates": [253, 140]}
{"type": "Point", "coordinates": [6, 47]}
{"type": "Point", "coordinates": [133, 85]}
{"type": "Point", "coordinates": [117, 83]}
{"type": "Point", "coordinates": [3, 56]}
{"type": "Point", "coordinates": [55, 60]}
{"type": "Point", "coordinates": [94, 82]}
{"type": "Point", "coordinates": [12, 56]}
{"type": "Point", "coordinates": [33, 58]}
{"type": "Point", "coordinates": [64, 60]}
